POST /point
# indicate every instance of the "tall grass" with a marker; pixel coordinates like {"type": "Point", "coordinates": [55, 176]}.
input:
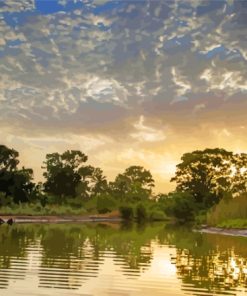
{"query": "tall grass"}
{"type": "Point", "coordinates": [36, 209]}
{"type": "Point", "coordinates": [228, 210]}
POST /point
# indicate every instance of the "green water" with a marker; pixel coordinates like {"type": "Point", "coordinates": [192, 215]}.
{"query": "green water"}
{"type": "Point", "coordinates": [105, 259]}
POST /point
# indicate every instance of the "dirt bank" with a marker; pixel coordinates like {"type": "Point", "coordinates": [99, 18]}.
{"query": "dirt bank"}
{"type": "Point", "coordinates": [224, 231]}
{"type": "Point", "coordinates": [60, 219]}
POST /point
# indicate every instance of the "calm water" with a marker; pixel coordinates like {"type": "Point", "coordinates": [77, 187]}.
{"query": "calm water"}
{"type": "Point", "coordinates": [100, 259]}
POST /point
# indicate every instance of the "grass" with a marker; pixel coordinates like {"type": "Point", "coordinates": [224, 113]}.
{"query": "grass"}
{"type": "Point", "coordinates": [229, 213]}
{"type": "Point", "coordinates": [36, 209]}
{"type": "Point", "coordinates": [234, 223]}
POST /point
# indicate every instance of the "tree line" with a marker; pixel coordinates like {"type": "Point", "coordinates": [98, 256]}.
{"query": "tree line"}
{"type": "Point", "coordinates": [203, 178]}
{"type": "Point", "coordinates": [67, 175]}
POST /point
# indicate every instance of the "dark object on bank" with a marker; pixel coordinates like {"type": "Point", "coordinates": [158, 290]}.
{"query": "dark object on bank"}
{"type": "Point", "coordinates": [10, 221]}
{"type": "Point", "coordinates": [1, 221]}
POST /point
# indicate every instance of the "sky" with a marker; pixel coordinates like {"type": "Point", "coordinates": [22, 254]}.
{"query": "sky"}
{"type": "Point", "coordinates": [126, 82]}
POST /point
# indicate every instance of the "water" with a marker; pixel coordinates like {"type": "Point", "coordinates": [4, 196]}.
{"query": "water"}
{"type": "Point", "coordinates": [105, 259]}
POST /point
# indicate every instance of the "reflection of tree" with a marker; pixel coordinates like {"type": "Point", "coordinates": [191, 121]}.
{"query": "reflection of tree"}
{"type": "Point", "coordinates": [67, 258]}
{"type": "Point", "coordinates": [130, 246]}
{"type": "Point", "coordinates": [68, 255]}
{"type": "Point", "coordinates": [211, 262]}
{"type": "Point", "coordinates": [14, 241]}
{"type": "Point", "coordinates": [72, 254]}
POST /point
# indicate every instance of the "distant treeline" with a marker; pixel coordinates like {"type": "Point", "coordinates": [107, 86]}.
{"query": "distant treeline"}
{"type": "Point", "coordinates": [202, 179]}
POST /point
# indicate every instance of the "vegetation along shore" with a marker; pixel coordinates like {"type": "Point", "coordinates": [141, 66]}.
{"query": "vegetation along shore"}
{"type": "Point", "coordinates": [211, 189]}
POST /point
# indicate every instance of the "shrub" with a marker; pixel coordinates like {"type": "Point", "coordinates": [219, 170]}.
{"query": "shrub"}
{"type": "Point", "coordinates": [76, 202]}
{"type": "Point", "coordinates": [91, 205]}
{"type": "Point", "coordinates": [105, 204]}
{"type": "Point", "coordinates": [5, 200]}
{"type": "Point", "coordinates": [181, 205]}
{"type": "Point", "coordinates": [141, 213]}
{"type": "Point", "coordinates": [157, 215]}
{"type": "Point", "coordinates": [126, 212]}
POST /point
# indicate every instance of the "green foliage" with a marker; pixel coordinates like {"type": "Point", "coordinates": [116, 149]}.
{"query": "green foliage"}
{"type": "Point", "coordinates": [141, 213]}
{"type": "Point", "coordinates": [15, 183]}
{"type": "Point", "coordinates": [63, 172]}
{"type": "Point", "coordinates": [228, 209]}
{"type": "Point", "coordinates": [126, 213]}
{"type": "Point", "coordinates": [157, 215]}
{"type": "Point", "coordinates": [5, 200]}
{"type": "Point", "coordinates": [8, 159]}
{"type": "Point", "coordinates": [135, 184]}
{"type": "Point", "coordinates": [233, 223]}
{"type": "Point", "coordinates": [37, 209]}
{"type": "Point", "coordinates": [211, 173]}
{"type": "Point", "coordinates": [201, 218]}
{"type": "Point", "coordinates": [203, 179]}
{"type": "Point", "coordinates": [91, 205]}
{"type": "Point", "coordinates": [105, 204]}
{"type": "Point", "coordinates": [67, 176]}
{"type": "Point", "coordinates": [180, 205]}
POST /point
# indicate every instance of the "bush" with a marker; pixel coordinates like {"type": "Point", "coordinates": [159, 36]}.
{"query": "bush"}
{"type": "Point", "coordinates": [141, 213]}
{"type": "Point", "coordinates": [91, 205]}
{"type": "Point", "coordinates": [105, 204]}
{"type": "Point", "coordinates": [157, 215]}
{"type": "Point", "coordinates": [126, 213]}
{"type": "Point", "coordinates": [181, 205]}
{"type": "Point", "coordinates": [76, 202]}
{"type": "Point", "coordinates": [201, 218]}
{"type": "Point", "coordinates": [5, 200]}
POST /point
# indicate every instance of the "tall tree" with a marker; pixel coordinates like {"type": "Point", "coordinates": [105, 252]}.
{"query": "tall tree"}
{"type": "Point", "coordinates": [135, 183]}
{"type": "Point", "coordinates": [8, 159]}
{"type": "Point", "coordinates": [211, 173]}
{"type": "Point", "coordinates": [13, 181]}
{"type": "Point", "coordinates": [63, 172]}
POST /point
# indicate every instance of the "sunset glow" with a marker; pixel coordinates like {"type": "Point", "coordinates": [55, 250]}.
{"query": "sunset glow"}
{"type": "Point", "coordinates": [126, 82]}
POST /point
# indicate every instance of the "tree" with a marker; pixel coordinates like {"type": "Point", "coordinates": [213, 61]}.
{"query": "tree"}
{"type": "Point", "coordinates": [67, 175]}
{"type": "Point", "coordinates": [135, 183]}
{"type": "Point", "coordinates": [211, 173]}
{"type": "Point", "coordinates": [64, 172]}
{"type": "Point", "coordinates": [22, 188]}
{"type": "Point", "coordinates": [99, 182]}
{"type": "Point", "coordinates": [8, 159]}
{"type": "Point", "coordinates": [14, 182]}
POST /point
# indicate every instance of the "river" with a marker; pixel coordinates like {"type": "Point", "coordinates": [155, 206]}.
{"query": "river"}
{"type": "Point", "coordinates": [110, 259]}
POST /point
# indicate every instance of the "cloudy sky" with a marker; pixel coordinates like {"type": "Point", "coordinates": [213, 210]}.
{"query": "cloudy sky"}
{"type": "Point", "coordinates": [127, 82]}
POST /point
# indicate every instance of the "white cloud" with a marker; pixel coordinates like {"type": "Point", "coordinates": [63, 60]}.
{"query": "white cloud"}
{"type": "Point", "coordinates": [16, 5]}
{"type": "Point", "coordinates": [199, 107]}
{"type": "Point", "coordinates": [181, 82]}
{"type": "Point", "coordinates": [145, 133]}
{"type": "Point", "coordinates": [224, 80]}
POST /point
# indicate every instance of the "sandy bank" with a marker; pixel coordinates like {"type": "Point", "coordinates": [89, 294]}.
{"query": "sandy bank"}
{"type": "Point", "coordinates": [223, 231]}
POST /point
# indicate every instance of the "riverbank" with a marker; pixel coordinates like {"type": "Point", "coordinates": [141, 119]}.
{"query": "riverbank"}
{"type": "Point", "coordinates": [61, 219]}
{"type": "Point", "coordinates": [223, 231]}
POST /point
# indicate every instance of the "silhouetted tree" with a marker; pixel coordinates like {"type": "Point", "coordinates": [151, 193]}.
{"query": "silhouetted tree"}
{"type": "Point", "coordinates": [211, 173]}
{"type": "Point", "coordinates": [14, 182]}
{"type": "Point", "coordinates": [63, 172]}
{"type": "Point", "coordinates": [135, 183]}
{"type": "Point", "coordinates": [67, 175]}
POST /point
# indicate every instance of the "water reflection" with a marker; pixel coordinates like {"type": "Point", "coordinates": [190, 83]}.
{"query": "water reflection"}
{"type": "Point", "coordinates": [105, 259]}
